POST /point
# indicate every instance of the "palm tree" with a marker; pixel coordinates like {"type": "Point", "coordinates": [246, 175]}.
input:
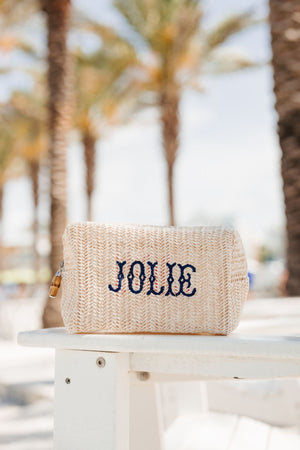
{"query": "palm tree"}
{"type": "Point", "coordinates": [28, 119]}
{"type": "Point", "coordinates": [13, 12]}
{"type": "Point", "coordinates": [24, 119]}
{"type": "Point", "coordinates": [6, 158]}
{"type": "Point", "coordinates": [284, 21]}
{"type": "Point", "coordinates": [103, 89]}
{"type": "Point", "coordinates": [8, 169]}
{"type": "Point", "coordinates": [58, 18]}
{"type": "Point", "coordinates": [178, 49]}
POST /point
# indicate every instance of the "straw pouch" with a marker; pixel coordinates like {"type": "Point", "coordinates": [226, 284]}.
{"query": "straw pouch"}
{"type": "Point", "coordinates": [150, 279]}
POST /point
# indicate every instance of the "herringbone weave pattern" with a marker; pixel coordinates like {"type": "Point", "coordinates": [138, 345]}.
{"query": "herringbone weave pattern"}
{"type": "Point", "coordinates": [183, 280]}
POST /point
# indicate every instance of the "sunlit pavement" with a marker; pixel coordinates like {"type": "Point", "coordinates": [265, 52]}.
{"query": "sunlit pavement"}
{"type": "Point", "coordinates": [26, 392]}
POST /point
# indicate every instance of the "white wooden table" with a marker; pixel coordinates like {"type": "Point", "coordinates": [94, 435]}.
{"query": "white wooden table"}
{"type": "Point", "coordinates": [105, 395]}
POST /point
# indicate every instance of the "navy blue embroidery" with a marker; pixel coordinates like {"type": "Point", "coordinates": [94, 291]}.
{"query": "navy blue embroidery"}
{"type": "Point", "coordinates": [120, 277]}
{"type": "Point", "coordinates": [142, 277]}
{"type": "Point", "coordinates": [170, 280]}
{"type": "Point", "coordinates": [185, 280]}
{"type": "Point", "coordinates": [152, 280]}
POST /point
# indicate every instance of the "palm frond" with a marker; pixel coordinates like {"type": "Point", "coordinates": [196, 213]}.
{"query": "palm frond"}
{"type": "Point", "coordinates": [15, 11]}
{"type": "Point", "coordinates": [230, 26]}
{"type": "Point", "coordinates": [10, 42]}
{"type": "Point", "coordinates": [137, 17]}
{"type": "Point", "coordinates": [104, 32]}
{"type": "Point", "coordinates": [226, 62]}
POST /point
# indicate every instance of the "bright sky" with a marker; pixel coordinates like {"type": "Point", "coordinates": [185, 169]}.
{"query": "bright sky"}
{"type": "Point", "coordinates": [228, 168]}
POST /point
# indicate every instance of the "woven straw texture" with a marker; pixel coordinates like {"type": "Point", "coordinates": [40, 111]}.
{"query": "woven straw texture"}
{"type": "Point", "coordinates": [202, 293]}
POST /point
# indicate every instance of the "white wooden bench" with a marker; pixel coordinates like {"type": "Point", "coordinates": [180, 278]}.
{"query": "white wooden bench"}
{"type": "Point", "coordinates": [105, 385]}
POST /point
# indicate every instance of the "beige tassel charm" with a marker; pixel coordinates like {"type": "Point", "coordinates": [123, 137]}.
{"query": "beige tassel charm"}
{"type": "Point", "coordinates": [56, 281]}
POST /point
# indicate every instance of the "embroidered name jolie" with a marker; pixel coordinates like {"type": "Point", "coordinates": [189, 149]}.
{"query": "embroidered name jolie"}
{"type": "Point", "coordinates": [184, 280]}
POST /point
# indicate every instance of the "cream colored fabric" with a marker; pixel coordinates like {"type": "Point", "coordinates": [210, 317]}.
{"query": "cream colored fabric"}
{"type": "Point", "coordinates": [209, 288]}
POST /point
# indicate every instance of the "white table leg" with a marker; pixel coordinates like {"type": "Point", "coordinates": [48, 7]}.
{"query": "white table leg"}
{"type": "Point", "coordinates": [91, 401]}
{"type": "Point", "coordinates": [145, 414]}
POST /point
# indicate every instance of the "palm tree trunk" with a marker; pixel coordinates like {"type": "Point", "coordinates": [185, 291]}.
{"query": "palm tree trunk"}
{"type": "Point", "coordinates": [169, 108]}
{"type": "Point", "coordinates": [34, 176]}
{"type": "Point", "coordinates": [1, 231]}
{"type": "Point", "coordinates": [89, 144]}
{"type": "Point", "coordinates": [1, 209]}
{"type": "Point", "coordinates": [58, 17]}
{"type": "Point", "coordinates": [284, 21]}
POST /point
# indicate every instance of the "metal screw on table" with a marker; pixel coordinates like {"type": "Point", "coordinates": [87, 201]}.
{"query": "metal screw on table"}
{"type": "Point", "coordinates": [68, 380]}
{"type": "Point", "coordinates": [101, 362]}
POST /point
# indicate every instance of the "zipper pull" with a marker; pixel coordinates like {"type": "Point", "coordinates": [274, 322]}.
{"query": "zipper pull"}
{"type": "Point", "coordinates": [56, 281]}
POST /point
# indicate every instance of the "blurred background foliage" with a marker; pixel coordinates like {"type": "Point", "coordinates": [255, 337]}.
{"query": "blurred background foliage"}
{"type": "Point", "coordinates": [81, 79]}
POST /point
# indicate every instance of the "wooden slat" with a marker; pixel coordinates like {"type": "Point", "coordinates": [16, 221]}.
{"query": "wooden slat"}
{"type": "Point", "coordinates": [216, 431]}
{"type": "Point", "coordinates": [146, 430]}
{"type": "Point", "coordinates": [234, 345]}
{"type": "Point", "coordinates": [213, 431]}
{"type": "Point", "coordinates": [91, 408]}
{"type": "Point", "coordinates": [249, 435]}
{"type": "Point", "coordinates": [214, 366]}
{"type": "Point", "coordinates": [283, 440]}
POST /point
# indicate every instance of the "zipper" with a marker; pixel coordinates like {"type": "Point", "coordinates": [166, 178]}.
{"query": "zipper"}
{"type": "Point", "coordinates": [56, 281]}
